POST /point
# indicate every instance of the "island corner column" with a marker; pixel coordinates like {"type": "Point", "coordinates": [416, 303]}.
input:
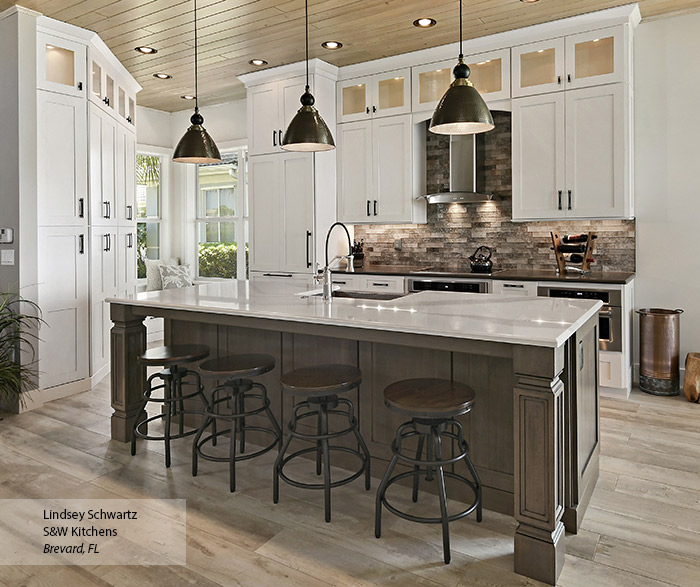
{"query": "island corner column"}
{"type": "Point", "coordinates": [539, 462]}
{"type": "Point", "coordinates": [128, 377]}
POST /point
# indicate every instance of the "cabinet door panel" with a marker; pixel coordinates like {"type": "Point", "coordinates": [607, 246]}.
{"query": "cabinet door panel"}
{"type": "Point", "coordinates": [595, 151]}
{"type": "Point", "coordinates": [538, 157]}
{"type": "Point", "coordinates": [490, 74]}
{"type": "Point", "coordinates": [354, 99]}
{"type": "Point", "coordinates": [104, 279]}
{"type": "Point", "coordinates": [430, 82]}
{"type": "Point", "coordinates": [538, 68]}
{"type": "Point", "coordinates": [126, 261]}
{"type": "Point", "coordinates": [103, 168]}
{"type": "Point", "coordinates": [355, 171]}
{"type": "Point", "coordinates": [392, 158]}
{"type": "Point", "coordinates": [297, 183]}
{"type": "Point", "coordinates": [61, 159]}
{"type": "Point", "coordinates": [265, 212]}
{"type": "Point", "coordinates": [263, 117]}
{"type": "Point", "coordinates": [596, 57]}
{"type": "Point", "coordinates": [125, 161]}
{"type": "Point", "coordinates": [63, 297]}
{"type": "Point", "coordinates": [60, 65]}
{"type": "Point", "coordinates": [290, 92]}
{"type": "Point", "coordinates": [391, 93]}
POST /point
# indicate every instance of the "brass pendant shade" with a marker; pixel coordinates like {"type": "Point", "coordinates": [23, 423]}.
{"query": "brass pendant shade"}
{"type": "Point", "coordinates": [196, 146]}
{"type": "Point", "coordinates": [307, 131]}
{"type": "Point", "coordinates": [461, 111]}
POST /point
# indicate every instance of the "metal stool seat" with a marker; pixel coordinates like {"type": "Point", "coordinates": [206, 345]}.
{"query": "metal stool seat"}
{"type": "Point", "coordinates": [234, 392]}
{"type": "Point", "coordinates": [433, 405]}
{"type": "Point", "coordinates": [173, 377]}
{"type": "Point", "coordinates": [320, 386]}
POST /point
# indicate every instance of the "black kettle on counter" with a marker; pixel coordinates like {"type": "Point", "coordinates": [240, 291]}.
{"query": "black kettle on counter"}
{"type": "Point", "coordinates": [480, 261]}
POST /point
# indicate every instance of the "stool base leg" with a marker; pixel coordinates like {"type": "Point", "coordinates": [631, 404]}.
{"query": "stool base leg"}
{"type": "Point", "coordinates": [442, 494]}
{"type": "Point", "coordinates": [381, 491]}
{"type": "Point", "coordinates": [416, 468]}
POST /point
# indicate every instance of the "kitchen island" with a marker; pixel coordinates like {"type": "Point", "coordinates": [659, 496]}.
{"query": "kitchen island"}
{"type": "Point", "coordinates": [534, 433]}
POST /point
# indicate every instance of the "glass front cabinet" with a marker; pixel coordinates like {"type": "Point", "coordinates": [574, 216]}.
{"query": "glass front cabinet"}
{"type": "Point", "coordinates": [489, 72]}
{"type": "Point", "coordinates": [587, 59]}
{"type": "Point", "coordinates": [383, 94]}
{"type": "Point", "coordinates": [61, 65]}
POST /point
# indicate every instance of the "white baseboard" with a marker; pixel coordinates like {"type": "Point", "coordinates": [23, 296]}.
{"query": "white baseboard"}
{"type": "Point", "coordinates": [616, 392]}
{"type": "Point", "coordinates": [36, 398]}
{"type": "Point", "coordinates": [100, 374]}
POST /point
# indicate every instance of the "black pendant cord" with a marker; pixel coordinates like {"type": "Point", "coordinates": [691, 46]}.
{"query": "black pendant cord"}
{"type": "Point", "coordinates": [196, 88]}
{"type": "Point", "coordinates": [461, 53]}
{"type": "Point", "coordinates": [306, 11]}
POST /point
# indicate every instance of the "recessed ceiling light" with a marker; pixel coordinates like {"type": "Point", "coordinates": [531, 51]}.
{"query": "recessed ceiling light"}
{"type": "Point", "coordinates": [331, 45]}
{"type": "Point", "coordinates": [258, 62]}
{"type": "Point", "coordinates": [162, 75]}
{"type": "Point", "coordinates": [146, 50]}
{"type": "Point", "coordinates": [424, 23]}
{"type": "Point", "coordinates": [187, 97]}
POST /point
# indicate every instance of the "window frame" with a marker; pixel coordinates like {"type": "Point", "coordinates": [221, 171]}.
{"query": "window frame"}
{"type": "Point", "coordinates": [241, 222]}
{"type": "Point", "coordinates": [163, 205]}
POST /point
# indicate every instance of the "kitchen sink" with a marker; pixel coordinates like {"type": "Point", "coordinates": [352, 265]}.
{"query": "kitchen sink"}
{"type": "Point", "coordinates": [367, 295]}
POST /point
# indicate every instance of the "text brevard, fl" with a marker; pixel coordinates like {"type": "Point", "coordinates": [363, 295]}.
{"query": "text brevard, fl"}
{"type": "Point", "coordinates": [82, 531]}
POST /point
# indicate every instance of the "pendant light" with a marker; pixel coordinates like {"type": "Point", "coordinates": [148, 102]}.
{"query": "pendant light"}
{"type": "Point", "coordinates": [461, 111]}
{"type": "Point", "coordinates": [196, 146]}
{"type": "Point", "coordinates": [307, 131]}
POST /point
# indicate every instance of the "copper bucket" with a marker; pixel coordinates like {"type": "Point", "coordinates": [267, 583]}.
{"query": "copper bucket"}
{"type": "Point", "coordinates": [659, 350]}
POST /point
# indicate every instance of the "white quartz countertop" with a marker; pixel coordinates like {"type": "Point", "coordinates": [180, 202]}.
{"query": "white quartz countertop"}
{"type": "Point", "coordinates": [537, 321]}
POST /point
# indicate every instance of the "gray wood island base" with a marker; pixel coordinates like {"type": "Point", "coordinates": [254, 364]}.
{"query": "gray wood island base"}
{"type": "Point", "coordinates": [534, 431]}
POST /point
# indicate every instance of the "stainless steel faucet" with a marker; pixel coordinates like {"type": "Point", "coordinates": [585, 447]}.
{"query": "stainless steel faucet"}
{"type": "Point", "coordinates": [325, 277]}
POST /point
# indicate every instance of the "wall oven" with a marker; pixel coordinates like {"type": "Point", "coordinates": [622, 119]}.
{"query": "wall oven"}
{"type": "Point", "coordinates": [609, 316]}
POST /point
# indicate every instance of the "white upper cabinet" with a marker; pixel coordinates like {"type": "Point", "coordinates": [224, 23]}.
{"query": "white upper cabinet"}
{"type": "Point", "coordinates": [489, 72]}
{"type": "Point", "coordinates": [597, 57]}
{"type": "Point", "coordinates": [382, 94]}
{"type": "Point", "coordinates": [60, 65]}
{"type": "Point", "coordinates": [108, 92]}
{"type": "Point", "coordinates": [539, 174]}
{"type": "Point", "coordinates": [538, 68]}
{"type": "Point", "coordinates": [103, 145]}
{"type": "Point", "coordinates": [572, 154]}
{"type": "Point", "coordinates": [271, 108]}
{"type": "Point", "coordinates": [62, 162]}
{"type": "Point", "coordinates": [375, 177]}
{"type": "Point", "coordinates": [583, 60]}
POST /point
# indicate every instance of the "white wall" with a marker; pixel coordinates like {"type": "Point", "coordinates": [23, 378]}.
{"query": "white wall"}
{"type": "Point", "coordinates": [667, 165]}
{"type": "Point", "coordinates": [153, 127]}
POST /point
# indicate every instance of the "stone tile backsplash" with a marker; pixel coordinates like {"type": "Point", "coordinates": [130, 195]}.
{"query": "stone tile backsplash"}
{"type": "Point", "coordinates": [454, 231]}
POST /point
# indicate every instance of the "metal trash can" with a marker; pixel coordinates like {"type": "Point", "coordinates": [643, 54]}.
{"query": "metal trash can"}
{"type": "Point", "coordinates": [659, 350]}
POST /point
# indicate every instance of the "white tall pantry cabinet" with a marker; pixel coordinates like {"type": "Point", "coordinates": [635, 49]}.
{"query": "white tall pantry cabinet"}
{"type": "Point", "coordinates": [76, 236]}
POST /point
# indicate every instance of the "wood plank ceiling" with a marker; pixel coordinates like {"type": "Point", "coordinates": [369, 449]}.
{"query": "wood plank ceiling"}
{"type": "Point", "coordinates": [231, 32]}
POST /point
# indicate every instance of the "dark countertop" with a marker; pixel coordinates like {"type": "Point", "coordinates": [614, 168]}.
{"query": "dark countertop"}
{"type": "Point", "coordinates": [613, 277]}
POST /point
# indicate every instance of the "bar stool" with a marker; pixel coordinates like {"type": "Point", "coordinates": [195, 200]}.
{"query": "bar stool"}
{"type": "Point", "coordinates": [433, 405]}
{"type": "Point", "coordinates": [173, 377]}
{"type": "Point", "coordinates": [238, 387]}
{"type": "Point", "coordinates": [320, 386]}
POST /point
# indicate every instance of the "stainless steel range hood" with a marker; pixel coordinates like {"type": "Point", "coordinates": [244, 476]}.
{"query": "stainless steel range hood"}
{"type": "Point", "coordinates": [466, 172]}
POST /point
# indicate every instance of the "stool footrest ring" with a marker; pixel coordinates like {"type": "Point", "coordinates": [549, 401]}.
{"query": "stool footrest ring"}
{"type": "Point", "coordinates": [333, 484]}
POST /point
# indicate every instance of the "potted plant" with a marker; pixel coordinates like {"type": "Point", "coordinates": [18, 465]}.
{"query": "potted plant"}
{"type": "Point", "coordinates": [19, 323]}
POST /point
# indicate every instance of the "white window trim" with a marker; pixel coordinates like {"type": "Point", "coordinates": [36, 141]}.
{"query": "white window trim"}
{"type": "Point", "coordinates": [193, 213]}
{"type": "Point", "coordinates": [165, 211]}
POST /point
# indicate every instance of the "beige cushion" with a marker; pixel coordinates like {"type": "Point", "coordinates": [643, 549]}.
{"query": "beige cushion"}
{"type": "Point", "coordinates": [153, 279]}
{"type": "Point", "coordinates": [174, 276]}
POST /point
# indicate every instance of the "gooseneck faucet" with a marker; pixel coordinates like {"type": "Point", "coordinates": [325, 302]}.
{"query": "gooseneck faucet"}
{"type": "Point", "coordinates": [325, 276]}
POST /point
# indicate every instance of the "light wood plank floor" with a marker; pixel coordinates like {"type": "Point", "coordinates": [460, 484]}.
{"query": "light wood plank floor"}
{"type": "Point", "coordinates": [641, 529]}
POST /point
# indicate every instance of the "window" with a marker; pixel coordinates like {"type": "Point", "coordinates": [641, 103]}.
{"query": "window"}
{"type": "Point", "coordinates": [222, 217]}
{"type": "Point", "coordinates": [148, 204]}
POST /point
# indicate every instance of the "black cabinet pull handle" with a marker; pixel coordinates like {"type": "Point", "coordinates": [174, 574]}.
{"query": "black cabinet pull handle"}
{"type": "Point", "coordinates": [569, 199]}
{"type": "Point", "coordinates": [279, 138]}
{"type": "Point", "coordinates": [81, 244]}
{"type": "Point", "coordinates": [374, 108]}
{"type": "Point", "coordinates": [308, 252]}
{"type": "Point", "coordinates": [274, 138]}
{"type": "Point", "coordinates": [559, 200]}
{"type": "Point", "coordinates": [375, 207]}
{"type": "Point", "coordinates": [106, 100]}
{"type": "Point", "coordinates": [368, 204]}
{"type": "Point", "coordinates": [379, 284]}
{"type": "Point", "coordinates": [108, 243]}
{"type": "Point", "coordinates": [105, 205]}
{"type": "Point", "coordinates": [130, 241]}
{"type": "Point", "coordinates": [568, 78]}
{"type": "Point", "coordinates": [559, 79]}
{"type": "Point", "coordinates": [285, 275]}
{"type": "Point", "coordinates": [81, 207]}
{"type": "Point", "coordinates": [80, 86]}
{"type": "Point", "coordinates": [128, 119]}
{"type": "Point", "coordinates": [129, 212]}
{"type": "Point", "coordinates": [367, 109]}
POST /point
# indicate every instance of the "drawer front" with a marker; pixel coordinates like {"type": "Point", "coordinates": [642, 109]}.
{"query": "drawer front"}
{"type": "Point", "coordinates": [612, 370]}
{"type": "Point", "coordinates": [515, 288]}
{"type": "Point", "coordinates": [386, 283]}
{"type": "Point", "coordinates": [346, 282]}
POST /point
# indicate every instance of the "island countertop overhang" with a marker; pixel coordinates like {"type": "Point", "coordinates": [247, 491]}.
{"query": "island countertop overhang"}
{"type": "Point", "coordinates": [540, 321]}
